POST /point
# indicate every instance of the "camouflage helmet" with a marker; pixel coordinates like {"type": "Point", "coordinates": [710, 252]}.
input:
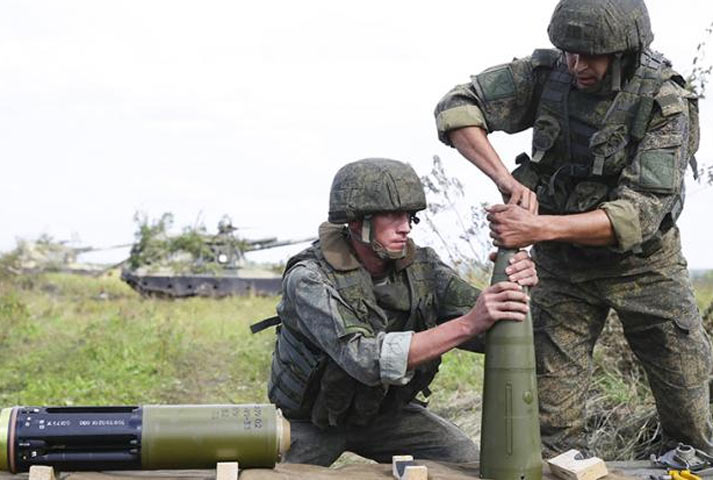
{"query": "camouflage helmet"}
{"type": "Point", "coordinates": [374, 185]}
{"type": "Point", "coordinates": [600, 27]}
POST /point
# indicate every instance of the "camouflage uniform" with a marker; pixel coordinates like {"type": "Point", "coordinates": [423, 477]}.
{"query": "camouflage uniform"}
{"type": "Point", "coordinates": [339, 370]}
{"type": "Point", "coordinates": [624, 152]}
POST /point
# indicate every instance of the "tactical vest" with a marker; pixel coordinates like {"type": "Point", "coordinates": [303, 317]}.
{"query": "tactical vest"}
{"type": "Point", "coordinates": [298, 366]}
{"type": "Point", "coordinates": [582, 141]}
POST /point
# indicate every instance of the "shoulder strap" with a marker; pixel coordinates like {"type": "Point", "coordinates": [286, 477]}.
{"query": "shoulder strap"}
{"type": "Point", "coordinates": [264, 324]}
{"type": "Point", "coordinates": [650, 75]}
{"type": "Point", "coordinates": [555, 96]}
{"type": "Point", "coordinates": [309, 253]}
{"type": "Point", "coordinates": [545, 57]}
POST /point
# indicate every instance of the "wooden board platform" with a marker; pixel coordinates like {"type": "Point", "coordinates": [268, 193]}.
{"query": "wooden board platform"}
{"type": "Point", "coordinates": [436, 471]}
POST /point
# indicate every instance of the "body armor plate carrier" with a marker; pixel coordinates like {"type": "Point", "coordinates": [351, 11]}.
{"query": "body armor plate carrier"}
{"type": "Point", "coordinates": [301, 371]}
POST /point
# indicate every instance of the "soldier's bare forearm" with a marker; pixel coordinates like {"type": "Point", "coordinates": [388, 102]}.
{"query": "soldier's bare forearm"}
{"type": "Point", "coordinates": [434, 342]}
{"type": "Point", "coordinates": [502, 301]}
{"type": "Point", "coordinates": [589, 228]}
{"type": "Point", "coordinates": [513, 227]}
{"type": "Point", "coordinates": [473, 144]}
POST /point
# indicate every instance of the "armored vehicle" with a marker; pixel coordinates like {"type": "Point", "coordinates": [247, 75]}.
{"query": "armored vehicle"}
{"type": "Point", "coordinates": [46, 254]}
{"type": "Point", "coordinates": [198, 262]}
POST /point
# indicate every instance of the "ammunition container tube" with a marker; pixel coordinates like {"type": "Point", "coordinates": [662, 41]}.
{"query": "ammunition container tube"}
{"type": "Point", "coordinates": [4, 435]}
{"type": "Point", "coordinates": [148, 437]}
{"type": "Point", "coordinates": [198, 436]}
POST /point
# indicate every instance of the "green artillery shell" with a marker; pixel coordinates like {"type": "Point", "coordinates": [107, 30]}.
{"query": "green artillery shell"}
{"type": "Point", "coordinates": [510, 429]}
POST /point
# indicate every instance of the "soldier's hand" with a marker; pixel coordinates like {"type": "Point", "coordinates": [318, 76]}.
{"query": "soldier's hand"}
{"type": "Point", "coordinates": [521, 269]}
{"type": "Point", "coordinates": [502, 301]}
{"type": "Point", "coordinates": [512, 226]}
{"type": "Point", "coordinates": [518, 194]}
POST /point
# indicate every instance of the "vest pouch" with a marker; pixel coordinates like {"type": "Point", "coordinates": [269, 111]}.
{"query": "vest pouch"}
{"type": "Point", "coordinates": [393, 296]}
{"type": "Point", "coordinates": [526, 174]}
{"type": "Point", "coordinates": [586, 196]}
{"type": "Point", "coordinates": [353, 298]}
{"type": "Point", "coordinates": [608, 146]}
{"type": "Point", "coordinates": [545, 131]}
{"type": "Point", "coordinates": [656, 164]}
{"type": "Point", "coordinates": [422, 283]}
{"type": "Point", "coordinates": [294, 374]}
{"type": "Point", "coordinates": [334, 398]}
{"type": "Point", "coordinates": [342, 400]}
{"type": "Point", "coordinates": [426, 312]}
{"type": "Point", "coordinates": [552, 201]}
{"type": "Point", "coordinates": [366, 404]}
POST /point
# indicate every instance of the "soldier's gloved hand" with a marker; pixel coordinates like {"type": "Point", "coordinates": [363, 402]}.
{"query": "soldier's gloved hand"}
{"type": "Point", "coordinates": [515, 193]}
{"type": "Point", "coordinates": [521, 269]}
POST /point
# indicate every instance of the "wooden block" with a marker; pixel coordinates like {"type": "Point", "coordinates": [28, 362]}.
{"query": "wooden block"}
{"type": "Point", "coordinates": [397, 462]}
{"type": "Point", "coordinates": [41, 472]}
{"type": "Point", "coordinates": [404, 468]}
{"type": "Point", "coordinates": [415, 472]}
{"type": "Point", "coordinates": [569, 466]}
{"type": "Point", "coordinates": [226, 471]}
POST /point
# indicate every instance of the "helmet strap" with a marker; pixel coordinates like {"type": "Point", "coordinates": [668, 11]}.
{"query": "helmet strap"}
{"type": "Point", "coordinates": [385, 254]}
{"type": "Point", "coordinates": [367, 236]}
{"type": "Point", "coordinates": [366, 230]}
{"type": "Point", "coordinates": [616, 72]}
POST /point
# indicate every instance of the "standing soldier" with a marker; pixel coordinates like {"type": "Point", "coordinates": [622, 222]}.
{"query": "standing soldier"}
{"type": "Point", "coordinates": [365, 317]}
{"type": "Point", "coordinates": [613, 132]}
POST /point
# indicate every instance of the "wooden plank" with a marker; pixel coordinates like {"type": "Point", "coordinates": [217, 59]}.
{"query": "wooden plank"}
{"type": "Point", "coordinates": [617, 471]}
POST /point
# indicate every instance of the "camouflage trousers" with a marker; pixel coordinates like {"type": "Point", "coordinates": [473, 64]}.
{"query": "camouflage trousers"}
{"type": "Point", "coordinates": [413, 430]}
{"type": "Point", "coordinates": [663, 328]}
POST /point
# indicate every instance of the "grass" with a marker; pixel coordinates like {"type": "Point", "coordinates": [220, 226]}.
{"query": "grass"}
{"type": "Point", "coordinates": [703, 286]}
{"type": "Point", "coordinates": [70, 340]}
{"type": "Point", "coordinates": [76, 340]}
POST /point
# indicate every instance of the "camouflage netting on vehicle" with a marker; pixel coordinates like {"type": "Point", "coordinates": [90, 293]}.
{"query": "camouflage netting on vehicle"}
{"type": "Point", "coordinates": [599, 27]}
{"type": "Point", "coordinates": [155, 250]}
{"type": "Point", "coordinates": [197, 262]}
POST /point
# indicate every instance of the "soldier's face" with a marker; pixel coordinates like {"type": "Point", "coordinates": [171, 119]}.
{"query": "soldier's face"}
{"type": "Point", "coordinates": [588, 70]}
{"type": "Point", "coordinates": [391, 229]}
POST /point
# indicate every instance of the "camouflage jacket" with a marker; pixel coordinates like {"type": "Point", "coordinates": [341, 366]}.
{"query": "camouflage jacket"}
{"type": "Point", "coordinates": [632, 167]}
{"type": "Point", "coordinates": [334, 313]}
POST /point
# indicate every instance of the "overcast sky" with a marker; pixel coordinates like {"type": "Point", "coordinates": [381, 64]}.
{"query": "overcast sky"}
{"type": "Point", "coordinates": [249, 108]}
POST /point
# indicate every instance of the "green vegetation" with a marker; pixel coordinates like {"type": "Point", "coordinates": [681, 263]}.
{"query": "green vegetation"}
{"type": "Point", "coordinates": [154, 247]}
{"type": "Point", "coordinates": [703, 285]}
{"type": "Point", "coordinates": [76, 340]}
{"type": "Point", "coordinates": [192, 251]}
{"type": "Point", "coordinates": [69, 340]}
